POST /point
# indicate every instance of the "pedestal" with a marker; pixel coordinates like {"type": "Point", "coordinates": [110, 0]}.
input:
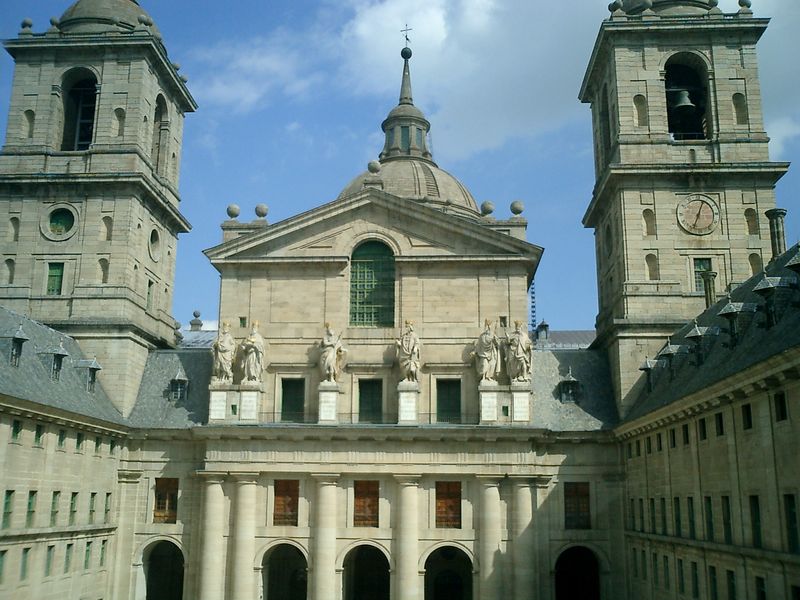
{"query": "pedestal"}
{"type": "Point", "coordinates": [487, 390]}
{"type": "Point", "coordinates": [521, 401]}
{"type": "Point", "coordinates": [328, 402]}
{"type": "Point", "coordinates": [408, 401]}
{"type": "Point", "coordinates": [231, 403]}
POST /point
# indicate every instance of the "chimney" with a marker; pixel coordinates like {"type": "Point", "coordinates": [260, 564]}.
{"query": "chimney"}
{"type": "Point", "coordinates": [709, 287]}
{"type": "Point", "coordinates": [777, 233]}
{"type": "Point", "coordinates": [196, 324]}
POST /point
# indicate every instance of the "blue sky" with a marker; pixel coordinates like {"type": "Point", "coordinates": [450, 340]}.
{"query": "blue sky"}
{"type": "Point", "coordinates": [292, 94]}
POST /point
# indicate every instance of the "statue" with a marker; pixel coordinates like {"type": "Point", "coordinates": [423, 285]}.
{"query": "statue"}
{"type": "Point", "coordinates": [332, 354]}
{"type": "Point", "coordinates": [253, 355]}
{"type": "Point", "coordinates": [518, 354]}
{"type": "Point", "coordinates": [223, 349]}
{"type": "Point", "coordinates": [408, 352]}
{"type": "Point", "coordinates": [487, 354]}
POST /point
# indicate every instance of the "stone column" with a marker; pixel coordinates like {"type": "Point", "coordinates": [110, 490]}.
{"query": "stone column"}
{"type": "Point", "coordinates": [243, 542]}
{"type": "Point", "coordinates": [542, 580]}
{"type": "Point", "coordinates": [323, 539]}
{"type": "Point", "coordinates": [522, 546]}
{"type": "Point", "coordinates": [489, 538]}
{"type": "Point", "coordinates": [407, 538]}
{"type": "Point", "coordinates": [212, 563]}
{"type": "Point", "coordinates": [777, 233]}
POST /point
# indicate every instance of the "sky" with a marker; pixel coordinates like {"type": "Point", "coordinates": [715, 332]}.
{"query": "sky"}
{"type": "Point", "coordinates": [292, 94]}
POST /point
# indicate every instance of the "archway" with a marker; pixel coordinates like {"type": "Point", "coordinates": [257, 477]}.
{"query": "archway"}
{"type": "Point", "coordinates": [577, 575]}
{"type": "Point", "coordinates": [366, 574]}
{"type": "Point", "coordinates": [448, 575]}
{"type": "Point", "coordinates": [164, 572]}
{"type": "Point", "coordinates": [285, 573]}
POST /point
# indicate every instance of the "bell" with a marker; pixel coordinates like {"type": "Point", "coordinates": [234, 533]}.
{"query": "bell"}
{"type": "Point", "coordinates": [684, 102]}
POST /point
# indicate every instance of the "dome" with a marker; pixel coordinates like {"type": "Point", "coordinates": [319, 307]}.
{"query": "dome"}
{"type": "Point", "coordinates": [101, 16]}
{"type": "Point", "coordinates": [670, 7]}
{"type": "Point", "coordinates": [420, 180]}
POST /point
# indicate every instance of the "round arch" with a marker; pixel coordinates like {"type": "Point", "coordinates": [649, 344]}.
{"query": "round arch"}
{"type": "Point", "coordinates": [351, 245]}
{"type": "Point", "coordinates": [284, 571]}
{"type": "Point", "coordinates": [602, 560]}
{"type": "Point", "coordinates": [263, 553]}
{"type": "Point", "coordinates": [75, 73]}
{"type": "Point", "coordinates": [355, 544]}
{"type": "Point", "coordinates": [694, 56]}
{"type": "Point", "coordinates": [366, 572]}
{"type": "Point", "coordinates": [447, 544]}
{"type": "Point", "coordinates": [144, 549]}
{"type": "Point", "coordinates": [142, 556]}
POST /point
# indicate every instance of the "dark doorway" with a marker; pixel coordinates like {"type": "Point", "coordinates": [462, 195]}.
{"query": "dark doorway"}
{"type": "Point", "coordinates": [448, 575]}
{"type": "Point", "coordinates": [164, 572]}
{"type": "Point", "coordinates": [366, 574]}
{"type": "Point", "coordinates": [577, 575]}
{"type": "Point", "coordinates": [285, 574]}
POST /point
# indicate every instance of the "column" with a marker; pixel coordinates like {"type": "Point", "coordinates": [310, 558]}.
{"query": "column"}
{"type": "Point", "coordinates": [211, 561]}
{"type": "Point", "coordinates": [489, 538]}
{"type": "Point", "coordinates": [407, 538]}
{"type": "Point", "coordinates": [323, 539]}
{"type": "Point", "coordinates": [243, 540]}
{"type": "Point", "coordinates": [522, 547]}
{"type": "Point", "coordinates": [542, 580]}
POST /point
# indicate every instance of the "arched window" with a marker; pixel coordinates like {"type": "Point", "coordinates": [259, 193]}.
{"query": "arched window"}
{"type": "Point", "coordinates": [372, 285]}
{"type": "Point", "coordinates": [740, 109]}
{"type": "Point", "coordinates": [756, 264]}
{"type": "Point", "coordinates": [751, 218]}
{"type": "Point", "coordinates": [119, 115]}
{"type": "Point", "coordinates": [642, 115]}
{"type": "Point", "coordinates": [648, 222]}
{"type": "Point", "coordinates": [30, 122]}
{"type": "Point", "coordinates": [102, 266]}
{"type": "Point", "coordinates": [106, 229]}
{"type": "Point", "coordinates": [652, 267]}
{"type": "Point", "coordinates": [13, 229]}
{"type": "Point", "coordinates": [80, 101]}
{"type": "Point", "coordinates": [11, 268]}
{"type": "Point", "coordinates": [158, 152]}
{"type": "Point", "coordinates": [687, 97]}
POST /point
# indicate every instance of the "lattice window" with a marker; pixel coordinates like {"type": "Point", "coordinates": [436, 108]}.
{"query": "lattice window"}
{"type": "Point", "coordinates": [166, 507]}
{"type": "Point", "coordinates": [287, 495]}
{"type": "Point", "coordinates": [577, 512]}
{"type": "Point", "coordinates": [372, 275]}
{"type": "Point", "coordinates": [365, 507]}
{"type": "Point", "coordinates": [448, 504]}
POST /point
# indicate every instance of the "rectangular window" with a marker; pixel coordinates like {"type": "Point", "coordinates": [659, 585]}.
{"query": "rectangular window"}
{"type": "Point", "coordinates": [708, 509]}
{"type": "Point", "coordinates": [30, 515]}
{"type": "Point", "coordinates": [690, 517]}
{"type": "Point", "coordinates": [73, 507]}
{"type": "Point", "coordinates": [635, 562]}
{"type": "Point", "coordinates": [663, 516]}
{"type": "Point", "coordinates": [577, 506]}
{"type": "Point", "coordinates": [97, 444]}
{"type": "Point", "coordinates": [695, 580]}
{"type": "Point", "coordinates": [405, 139]}
{"type": "Point", "coordinates": [372, 283]}
{"type": "Point", "coordinates": [659, 442]}
{"type": "Point", "coordinates": [93, 506]}
{"type": "Point", "coordinates": [685, 433]}
{"type": "Point", "coordinates": [638, 447]}
{"type": "Point", "coordinates": [287, 496]}
{"type": "Point", "coordinates": [107, 508]}
{"type": "Point", "coordinates": [713, 592]}
{"type": "Point", "coordinates": [448, 400]}
{"type": "Point", "coordinates": [761, 588]}
{"type": "Point", "coordinates": [16, 430]}
{"type": "Point", "coordinates": [48, 561]}
{"type": "Point", "coordinates": [2, 566]}
{"type": "Point", "coordinates": [790, 514]}
{"type": "Point", "coordinates": [702, 432]}
{"type": "Point", "coordinates": [55, 500]}
{"type": "Point", "coordinates": [68, 558]}
{"type": "Point", "coordinates": [38, 435]}
{"type": "Point", "coordinates": [87, 556]}
{"type": "Point", "coordinates": [370, 400]}
{"type": "Point", "coordinates": [747, 416]}
{"type": "Point", "coordinates": [166, 505]}
{"type": "Point", "coordinates": [655, 570]}
{"type": "Point", "coordinates": [365, 506]}
{"type": "Point", "coordinates": [648, 445]}
{"type": "Point", "coordinates": [62, 438]}
{"type": "Point", "coordinates": [701, 265]}
{"type": "Point", "coordinates": [652, 515]}
{"type": "Point", "coordinates": [644, 565]}
{"type": "Point", "coordinates": [781, 411]}
{"type": "Point", "coordinates": [681, 578]}
{"type": "Point", "coordinates": [112, 447]}
{"type": "Point", "coordinates": [630, 450]}
{"type": "Point", "coordinates": [16, 352]}
{"type": "Point", "coordinates": [676, 516]}
{"type": "Point", "coordinates": [672, 440]}
{"type": "Point", "coordinates": [719, 424]}
{"type": "Point", "coordinates": [79, 442]}
{"type": "Point", "coordinates": [755, 521]}
{"type": "Point", "coordinates": [730, 577]}
{"type": "Point", "coordinates": [55, 278]}
{"type": "Point", "coordinates": [641, 514]}
{"type": "Point", "coordinates": [150, 290]}
{"type": "Point", "coordinates": [665, 560]}
{"type": "Point", "coordinates": [8, 508]}
{"type": "Point", "coordinates": [23, 564]}
{"type": "Point", "coordinates": [293, 400]}
{"type": "Point", "coordinates": [448, 504]}
{"type": "Point", "coordinates": [103, 549]}
{"type": "Point", "coordinates": [632, 515]}
{"type": "Point", "coordinates": [727, 526]}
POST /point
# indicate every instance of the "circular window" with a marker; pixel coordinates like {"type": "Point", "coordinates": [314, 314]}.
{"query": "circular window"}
{"type": "Point", "coordinates": [61, 221]}
{"type": "Point", "coordinates": [154, 245]}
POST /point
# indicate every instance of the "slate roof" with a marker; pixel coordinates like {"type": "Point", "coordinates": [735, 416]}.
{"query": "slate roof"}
{"type": "Point", "coordinates": [198, 339]}
{"type": "Point", "coordinates": [594, 409]}
{"type": "Point", "coordinates": [722, 358]}
{"type": "Point", "coordinates": [567, 339]}
{"type": "Point", "coordinates": [32, 380]}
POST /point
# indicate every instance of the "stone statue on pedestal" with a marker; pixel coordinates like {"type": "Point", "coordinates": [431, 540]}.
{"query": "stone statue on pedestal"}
{"type": "Point", "coordinates": [331, 354]}
{"type": "Point", "coordinates": [253, 356]}
{"type": "Point", "coordinates": [487, 354]}
{"type": "Point", "coordinates": [223, 349]}
{"type": "Point", "coordinates": [518, 354]}
{"type": "Point", "coordinates": [408, 353]}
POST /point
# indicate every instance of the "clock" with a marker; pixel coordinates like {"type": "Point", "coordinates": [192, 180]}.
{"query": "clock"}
{"type": "Point", "coordinates": [698, 215]}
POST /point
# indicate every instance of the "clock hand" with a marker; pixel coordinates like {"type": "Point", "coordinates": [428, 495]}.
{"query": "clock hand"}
{"type": "Point", "coordinates": [697, 218]}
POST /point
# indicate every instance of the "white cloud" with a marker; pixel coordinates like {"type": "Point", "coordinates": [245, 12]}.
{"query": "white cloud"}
{"type": "Point", "coordinates": [780, 132]}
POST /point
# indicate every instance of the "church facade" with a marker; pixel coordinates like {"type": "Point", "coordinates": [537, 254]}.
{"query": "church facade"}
{"type": "Point", "coordinates": [374, 418]}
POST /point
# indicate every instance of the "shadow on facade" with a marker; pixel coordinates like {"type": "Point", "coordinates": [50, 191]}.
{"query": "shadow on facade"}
{"type": "Point", "coordinates": [164, 572]}
{"type": "Point", "coordinates": [577, 575]}
{"type": "Point", "coordinates": [285, 574]}
{"type": "Point", "coordinates": [366, 574]}
{"type": "Point", "coordinates": [448, 575]}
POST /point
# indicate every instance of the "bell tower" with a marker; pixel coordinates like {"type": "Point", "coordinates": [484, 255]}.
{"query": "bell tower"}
{"type": "Point", "coordinates": [89, 184]}
{"type": "Point", "coordinates": [683, 175]}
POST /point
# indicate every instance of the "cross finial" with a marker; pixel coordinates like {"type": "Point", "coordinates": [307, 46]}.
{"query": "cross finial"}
{"type": "Point", "coordinates": [405, 33]}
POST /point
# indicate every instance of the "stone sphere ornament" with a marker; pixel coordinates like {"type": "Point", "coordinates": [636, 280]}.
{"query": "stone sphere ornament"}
{"type": "Point", "coordinates": [615, 6]}
{"type": "Point", "coordinates": [745, 3]}
{"type": "Point", "coordinates": [262, 210]}
{"type": "Point", "coordinates": [233, 211]}
{"type": "Point", "coordinates": [406, 53]}
{"type": "Point", "coordinates": [27, 23]}
{"type": "Point", "coordinates": [487, 208]}
{"type": "Point", "coordinates": [517, 207]}
{"type": "Point", "coordinates": [374, 167]}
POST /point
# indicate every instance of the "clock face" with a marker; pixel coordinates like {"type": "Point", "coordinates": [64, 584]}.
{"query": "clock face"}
{"type": "Point", "coordinates": [698, 214]}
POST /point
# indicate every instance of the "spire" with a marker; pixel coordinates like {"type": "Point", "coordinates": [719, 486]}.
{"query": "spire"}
{"type": "Point", "coordinates": [406, 127]}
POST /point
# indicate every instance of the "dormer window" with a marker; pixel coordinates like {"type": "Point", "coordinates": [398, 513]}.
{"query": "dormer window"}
{"type": "Point", "coordinates": [17, 341]}
{"type": "Point", "coordinates": [569, 388]}
{"type": "Point", "coordinates": [58, 362]}
{"type": "Point", "coordinates": [92, 381]}
{"type": "Point", "coordinates": [179, 386]}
